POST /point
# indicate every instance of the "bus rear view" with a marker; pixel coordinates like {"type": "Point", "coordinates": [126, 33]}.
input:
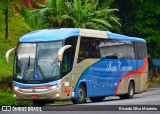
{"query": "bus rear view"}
{"type": "Point", "coordinates": [72, 63]}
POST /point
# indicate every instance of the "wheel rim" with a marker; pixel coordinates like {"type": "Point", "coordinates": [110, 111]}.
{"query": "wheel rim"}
{"type": "Point", "coordinates": [80, 94]}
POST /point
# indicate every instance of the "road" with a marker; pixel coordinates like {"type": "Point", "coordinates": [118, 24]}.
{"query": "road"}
{"type": "Point", "coordinates": [150, 97]}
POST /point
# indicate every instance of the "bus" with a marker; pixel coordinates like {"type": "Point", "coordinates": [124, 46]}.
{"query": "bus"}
{"type": "Point", "coordinates": [75, 63]}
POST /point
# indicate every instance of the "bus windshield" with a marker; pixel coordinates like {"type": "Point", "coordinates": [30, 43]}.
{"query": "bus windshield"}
{"type": "Point", "coordinates": [37, 62]}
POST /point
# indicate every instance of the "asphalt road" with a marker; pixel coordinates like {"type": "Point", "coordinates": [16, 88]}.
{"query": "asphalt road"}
{"type": "Point", "coordinates": [150, 97]}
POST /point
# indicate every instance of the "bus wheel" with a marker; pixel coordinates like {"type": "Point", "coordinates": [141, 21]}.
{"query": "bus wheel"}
{"type": "Point", "coordinates": [130, 93]}
{"type": "Point", "coordinates": [96, 99]}
{"type": "Point", "coordinates": [81, 95]}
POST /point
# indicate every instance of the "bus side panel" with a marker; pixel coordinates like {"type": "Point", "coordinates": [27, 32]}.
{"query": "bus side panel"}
{"type": "Point", "coordinates": [123, 87]}
{"type": "Point", "coordinates": [144, 80]}
{"type": "Point", "coordinates": [139, 77]}
{"type": "Point", "coordinates": [82, 72]}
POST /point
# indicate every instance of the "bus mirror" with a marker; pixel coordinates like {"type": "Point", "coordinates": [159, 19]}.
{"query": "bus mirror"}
{"type": "Point", "coordinates": [8, 53]}
{"type": "Point", "coordinates": [61, 51]}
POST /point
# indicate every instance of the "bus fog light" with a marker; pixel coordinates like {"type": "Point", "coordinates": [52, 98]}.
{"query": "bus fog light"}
{"type": "Point", "coordinates": [16, 88]}
{"type": "Point", "coordinates": [57, 95]}
{"type": "Point", "coordinates": [14, 95]}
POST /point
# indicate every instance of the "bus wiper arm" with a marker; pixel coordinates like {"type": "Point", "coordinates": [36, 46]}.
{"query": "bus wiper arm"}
{"type": "Point", "coordinates": [41, 72]}
{"type": "Point", "coordinates": [29, 60]}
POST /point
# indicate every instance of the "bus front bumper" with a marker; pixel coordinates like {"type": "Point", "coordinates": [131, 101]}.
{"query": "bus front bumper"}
{"type": "Point", "coordinates": [33, 94]}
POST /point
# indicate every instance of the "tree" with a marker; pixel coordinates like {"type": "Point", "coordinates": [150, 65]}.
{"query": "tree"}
{"type": "Point", "coordinates": [91, 14]}
{"type": "Point", "coordinates": [141, 18]}
{"type": "Point", "coordinates": [77, 13]}
{"type": "Point", "coordinates": [147, 24]}
{"type": "Point", "coordinates": [53, 13]}
{"type": "Point", "coordinates": [5, 5]}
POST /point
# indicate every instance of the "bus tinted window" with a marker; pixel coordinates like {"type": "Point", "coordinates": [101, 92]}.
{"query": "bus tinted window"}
{"type": "Point", "coordinates": [114, 49]}
{"type": "Point", "coordinates": [141, 50]}
{"type": "Point", "coordinates": [108, 49]}
{"type": "Point", "coordinates": [68, 56]}
{"type": "Point", "coordinates": [89, 48]}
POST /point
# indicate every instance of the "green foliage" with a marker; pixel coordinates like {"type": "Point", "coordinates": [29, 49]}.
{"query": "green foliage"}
{"type": "Point", "coordinates": [79, 14]}
{"type": "Point", "coordinates": [17, 28]}
{"type": "Point", "coordinates": [147, 24]}
{"type": "Point", "coordinates": [141, 18]}
{"type": "Point", "coordinates": [156, 83]}
{"type": "Point", "coordinates": [32, 20]}
{"type": "Point", "coordinates": [9, 100]}
{"type": "Point", "coordinates": [6, 6]}
{"type": "Point", "coordinates": [1, 19]}
{"type": "Point", "coordinates": [6, 3]}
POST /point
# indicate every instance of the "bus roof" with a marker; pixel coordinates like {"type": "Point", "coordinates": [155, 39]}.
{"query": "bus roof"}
{"type": "Point", "coordinates": [63, 33]}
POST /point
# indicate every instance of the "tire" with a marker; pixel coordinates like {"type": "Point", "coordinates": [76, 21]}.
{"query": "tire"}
{"type": "Point", "coordinates": [97, 99]}
{"type": "Point", "coordinates": [41, 103]}
{"type": "Point", "coordinates": [131, 92]}
{"type": "Point", "coordinates": [81, 95]}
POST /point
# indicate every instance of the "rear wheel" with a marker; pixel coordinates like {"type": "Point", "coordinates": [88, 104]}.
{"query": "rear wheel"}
{"type": "Point", "coordinates": [81, 95]}
{"type": "Point", "coordinates": [96, 99]}
{"type": "Point", "coordinates": [131, 92]}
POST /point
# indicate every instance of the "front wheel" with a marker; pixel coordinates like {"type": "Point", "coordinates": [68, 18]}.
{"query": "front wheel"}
{"type": "Point", "coordinates": [81, 95]}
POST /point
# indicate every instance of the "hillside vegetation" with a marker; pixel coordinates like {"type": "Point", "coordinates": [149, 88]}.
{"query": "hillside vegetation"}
{"type": "Point", "coordinates": [17, 28]}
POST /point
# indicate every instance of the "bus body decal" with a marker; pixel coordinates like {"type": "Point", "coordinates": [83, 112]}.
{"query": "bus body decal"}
{"type": "Point", "coordinates": [134, 72]}
{"type": "Point", "coordinates": [115, 81]}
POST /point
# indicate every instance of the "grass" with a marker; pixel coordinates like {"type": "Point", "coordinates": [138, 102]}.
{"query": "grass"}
{"type": "Point", "coordinates": [152, 84]}
{"type": "Point", "coordinates": [7, 99]}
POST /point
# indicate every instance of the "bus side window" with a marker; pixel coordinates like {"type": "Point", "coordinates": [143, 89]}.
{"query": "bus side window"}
{"type": "Point", "coordinates": [130, 51]}
{"type": "Point", "coordinates": [108, 49]}
{"type": "Point", "coordinates": [66, 62]}
{"type": "Point", "coordinates": [89, 48]}
{"type": "Point", "coordinates": [140, 50]}
{"type": "Point", "coordinates": [69, 55]}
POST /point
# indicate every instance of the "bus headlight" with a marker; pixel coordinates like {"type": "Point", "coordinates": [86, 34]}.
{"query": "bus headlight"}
{"type": "Point", "coordinates": [14, 95]}
{"type": "Point", "coordinates": [57, 95]}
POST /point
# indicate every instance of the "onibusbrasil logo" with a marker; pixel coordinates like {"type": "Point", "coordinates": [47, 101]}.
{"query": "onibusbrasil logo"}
{"type": "Point", "coordinates": [13, 108]}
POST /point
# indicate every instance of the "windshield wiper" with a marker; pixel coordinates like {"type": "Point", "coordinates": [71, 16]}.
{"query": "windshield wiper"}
{"type": "Point", "coordinates": [26, 68]}
{"type": "Point", "coordinates": [41, 72]}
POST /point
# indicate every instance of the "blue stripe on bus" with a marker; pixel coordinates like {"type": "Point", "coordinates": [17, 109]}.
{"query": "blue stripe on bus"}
{"type": "Point", "coordinates": [18, 84]}
{"type": "Point", "coordinates": [49, 35]}
{"type": "Point", "coordinates": [101, 82]}
{"type": "Point", "coordinates": [63, 33]}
